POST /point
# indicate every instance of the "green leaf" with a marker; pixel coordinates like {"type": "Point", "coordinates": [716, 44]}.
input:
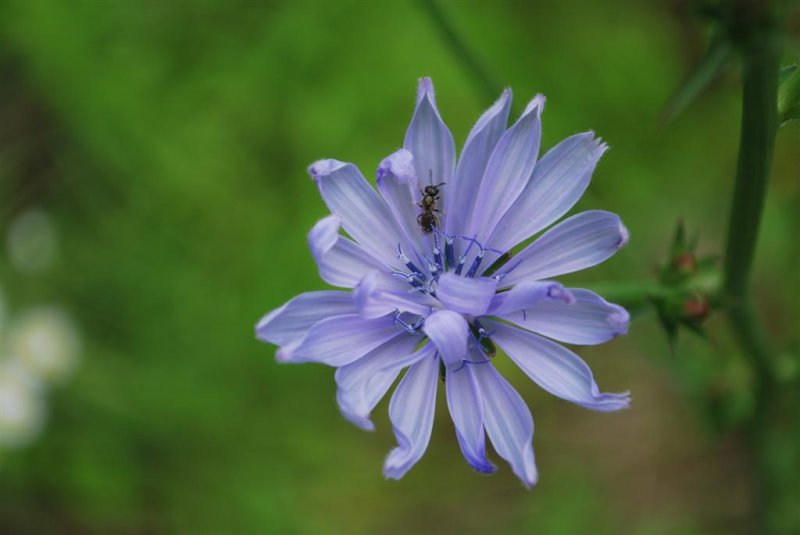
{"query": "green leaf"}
{"type": "Point", "coordinates": [719, 53]}
{"type": "Point", "coordinates": [789, 94]}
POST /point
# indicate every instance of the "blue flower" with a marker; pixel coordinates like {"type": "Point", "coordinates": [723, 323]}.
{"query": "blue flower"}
{"type": "Point", "coordinates": [432, 285]}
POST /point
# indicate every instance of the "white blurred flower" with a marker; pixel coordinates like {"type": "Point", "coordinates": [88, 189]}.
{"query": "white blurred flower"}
{"type": "Point", "coordinates": [22, 407]}
{"type": "Point", "coordinates": [45, 340]}
{"type": "Point", "coordinates": [32, 242]}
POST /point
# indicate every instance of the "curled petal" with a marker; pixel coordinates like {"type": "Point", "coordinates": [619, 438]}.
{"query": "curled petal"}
{"type": "Point", "coordinates": [466, 408]}
{"type": "Point", "coordinates": [341, 261]}
{"type": "Point", "coordinates": [397, 182]}
{"type": "Point", "coordinates": [411, 411]}
{"type": "Point", "coordinates": [463, 191]}
{"type": "Point", "coordinates": [377, 295]}
{"type": "Point", "coordinates": [556, 369]}
{"type": "Point", "coordinates": [582, 241]}
{"type": "Point", "coordinates": [508, 170]}
{"type": "Point", "coordinates": [362, 384]}
{"type": "Point", "coordinates": [508, 422]}
{"type": "Point", "coordinates": [587, 320]}
{"type": "Point", "coordinates": [466, 295]}
{"type": "Point", "coordinates": [526, 294]}
{"type": "Point", "coordinates": [340, 340]}
{"type": "Point", "coordinates": [429, 139]}
{"type": "Point", "coordinates": [363, 213]}
{"type": "Point", "coordinates": [290, 323]}
{"type": "Point", "coordinates": [448, 330]}
{"type": "Point", "coordinates": [558, 182]}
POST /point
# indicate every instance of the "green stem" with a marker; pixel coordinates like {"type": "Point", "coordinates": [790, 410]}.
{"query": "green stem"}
{"type": "Point", "coordinates": [755, 24]}
{"type": "Point", "coordinates": [757, 139]}
{"type": "Point", "coordinates": [759, 124]}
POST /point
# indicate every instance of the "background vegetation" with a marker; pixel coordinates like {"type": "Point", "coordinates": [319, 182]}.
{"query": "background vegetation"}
{"type": "Point", "coordinates": [168, 143]}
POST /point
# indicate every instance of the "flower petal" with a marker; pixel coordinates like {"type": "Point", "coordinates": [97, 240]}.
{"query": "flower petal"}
{"type": "Point", "coordinates": [448, 330]}
{"type": "Point", "coordinates": [397, 182]}
{"type": "Point", "coordinates": [526, 294]}
{"type": "Point", "coordinates": [472, 163]}
{"type": "Point", "coordinates": [340, 340]}
{"type": "Point", "coordinates": [362, 384]}
{"type": "Point", "coordinates": [587, 320]}
{"type": "Point", "coordinates": [377, 295]}
{"type": "Point", "coordinates": [341, 261]}
{"type": "Point", "coordinates": [466, 295]}
{"type": "Point", "coordinates": [508, 170]}
{"type": "Point", "coordinates": [556, 369]}
{"type": "Point", "coordinates": [429, 140]}
{"type": "Point", "coordinates": [411, 411]}
{"type": "Point", "coordinates": [290, 322]}
{"type": "Point", "coordinates": [558, 182]}
{"type": "Point", "coordinates": [508, 422]}
{"type": "Point", "coordinates": [582, 241]}
{"type": "Point", "coordinates": [466, 408]}
{"type": "Point", "coordinates": [363, 213]}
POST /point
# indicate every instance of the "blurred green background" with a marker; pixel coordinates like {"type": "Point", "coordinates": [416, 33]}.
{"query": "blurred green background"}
{"type": "Point", "coordinates": [167, 142]}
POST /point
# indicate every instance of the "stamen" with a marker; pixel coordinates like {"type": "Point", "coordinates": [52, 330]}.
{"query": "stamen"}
{"type": "Point", "coordinates": [408, 263]}
{"type": "Point", "coordinates": [411, 329]}
{"type": "Point", "coordinates": [449, 253]}
{"type": "Point", "coordinates": [463, 258]}
{"type": "Point", "coordinates": [413, 280]}
{"type": "Point", "coordinates": [476, 264]}
{"type": "Point", "coordinates": [437, 253]}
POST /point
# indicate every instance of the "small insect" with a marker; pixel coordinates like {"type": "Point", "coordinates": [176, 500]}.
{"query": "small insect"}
{"type": "Point", "coordinates": [428, 220]}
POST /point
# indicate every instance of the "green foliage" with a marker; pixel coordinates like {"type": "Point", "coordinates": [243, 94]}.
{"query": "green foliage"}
{"type": "Point", "coordinates": [789, 94]}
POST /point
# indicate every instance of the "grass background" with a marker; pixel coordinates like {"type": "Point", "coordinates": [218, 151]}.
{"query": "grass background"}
{"type": "Point", "coordinates": [169, 142]}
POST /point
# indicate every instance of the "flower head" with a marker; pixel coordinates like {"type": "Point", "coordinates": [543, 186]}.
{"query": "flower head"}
{"type": "Point", "coordinates": [432, 284]}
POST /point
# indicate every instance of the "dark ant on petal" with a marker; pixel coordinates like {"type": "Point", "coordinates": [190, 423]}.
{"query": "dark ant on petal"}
{"type": "Point", "coordinates": [428, 220]}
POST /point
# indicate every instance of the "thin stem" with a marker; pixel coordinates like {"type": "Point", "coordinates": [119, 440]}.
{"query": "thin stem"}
{"type": "Point", "coordinates": [468, 61]}
{"type": "Point", "coordinates": [757, 139]}
{"type": "Point", "coordinates": [755, 27]}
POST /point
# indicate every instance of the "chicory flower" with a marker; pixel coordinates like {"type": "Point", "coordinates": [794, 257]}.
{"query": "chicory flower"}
{"type": "Point", "coordinates": [431, 284]}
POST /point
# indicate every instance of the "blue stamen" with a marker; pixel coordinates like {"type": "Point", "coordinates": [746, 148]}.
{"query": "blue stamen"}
{"type": "Point", "coordinates": [413, 280]}
{"type": "Point", "coordinates": [449, 253]}
{"type": "Point", "coordinates": [437, 252]}
{"type": "Point", "coordinates": [411, 329]}
{"type": "Point", "coordinates": [408, 263]}
{"type": "Point", "coordinates": [475, 264]}
{"type": "Point", "coordinates": [463, 258]}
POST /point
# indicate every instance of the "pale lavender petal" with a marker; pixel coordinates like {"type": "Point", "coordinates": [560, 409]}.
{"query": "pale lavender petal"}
{"type": "Point", "coordinates": [429, 140]}
{"type": "Point", "coordinates": [362, 384]}
{"type": "Point", "coordinates": [558, 182]}
{"type": "Point", "coordinates": [587, 320]}
{"type": "Point", "coordinates": [463, 191]}
{"type": "Point", "coordinates": [341, 261]}
{"type": "Point", "coordinates": [397, 182]}
{"type": "Point", "coordinates": [340, 340]}
{"type": "Point", "coordinates": [466, 408]}
{"type": "Point", "coordinates": [291, 322]}
{"type": "Point", "coordinates": [527, 293]}
{"type": "Point", "coordinates": [466, 295]}
{"type": "Point", "coordinates": [411, 411]}
{"type": "Point", "coordinates": [582, 241]}
{"type": "Point", "coordinates": [363, 213]}
{"type": "Point", "coordinates": [508, 170]}
{"type": "Point", "coordinates": [555, 368]}
{"type": "Point", "coordinates": [508, 422]}
{"type": "Point", "coordinates": [377, 295]}
{"type": "Point", "coordinates": [448, 330]}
